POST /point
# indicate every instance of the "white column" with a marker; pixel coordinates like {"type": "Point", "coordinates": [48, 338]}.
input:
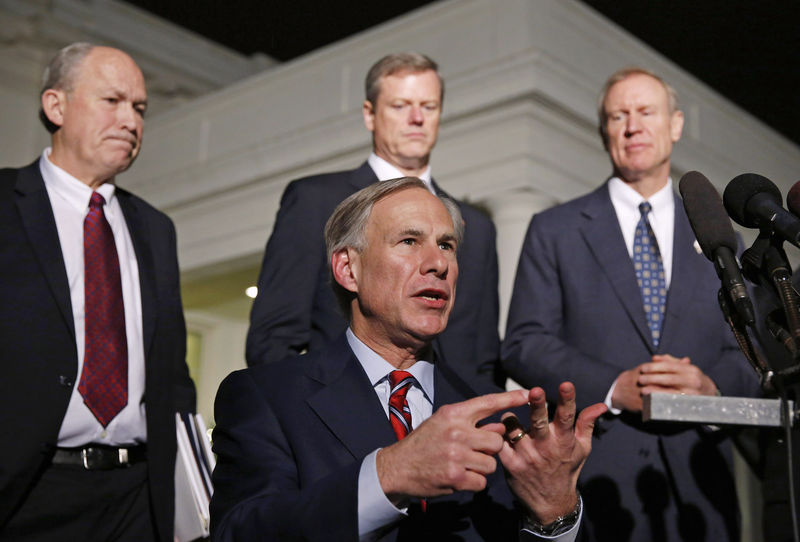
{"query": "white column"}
{"type": "Point", "coordinates": [511, 212]}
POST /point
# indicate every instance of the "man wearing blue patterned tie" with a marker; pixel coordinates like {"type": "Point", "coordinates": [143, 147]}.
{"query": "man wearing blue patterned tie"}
{"type": "Point", "coordinates": [611, 295]}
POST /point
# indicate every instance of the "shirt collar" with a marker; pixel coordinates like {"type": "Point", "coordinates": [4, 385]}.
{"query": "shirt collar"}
{"type": "Point", "coordinates": [385, 171]}
{"type": "Point", "coordinates": [378, 369]}
{"type": "Point", "coordinates": [68, 187]}
{"type": "Point", "coordinates": [623, 194]}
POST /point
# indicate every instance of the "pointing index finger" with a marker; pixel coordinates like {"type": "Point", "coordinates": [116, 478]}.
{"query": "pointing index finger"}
{"type": "Point", "coordinates": [481, 407]}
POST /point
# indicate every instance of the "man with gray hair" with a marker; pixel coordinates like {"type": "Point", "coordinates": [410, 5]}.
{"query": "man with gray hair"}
{"type": "Point", "coordinates": [612, 294]}
{"type": "Point", "coordinates": [373, 437]}
{"type": "Point", "coordinates": [92, 336]}
{"type": "Point", "coordinates": [295, 311]}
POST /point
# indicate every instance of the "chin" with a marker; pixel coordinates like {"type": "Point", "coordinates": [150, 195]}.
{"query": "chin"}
{"type": "Point", "coordinates": [430, 332]}
{"type": "Point", "coordinates": [417, 151]}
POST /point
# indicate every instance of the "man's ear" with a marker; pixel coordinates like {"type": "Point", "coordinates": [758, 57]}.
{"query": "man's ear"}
{"type": "Point", "coordinates": [676, 125]}
{"type": "Point", "coordinates": [53, 104]}
{"type": "Point", "coordinates": [369, 115]}
{"type": "Point", "coordinates": [345, 267]}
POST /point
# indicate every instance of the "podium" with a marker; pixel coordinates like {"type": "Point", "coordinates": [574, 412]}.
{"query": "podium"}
{"type": "Point", "coordinates": [701, 409]}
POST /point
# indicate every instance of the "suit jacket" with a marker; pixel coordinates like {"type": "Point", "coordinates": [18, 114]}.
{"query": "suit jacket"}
{"type": "Point", "coordinates": [577, 314]}
{"type": "Point", "coordinates": [290, 439]}
{"type": "Point", "coordinates": [38, 352]}
{"type": "Point", "coordinates": [296, 310]}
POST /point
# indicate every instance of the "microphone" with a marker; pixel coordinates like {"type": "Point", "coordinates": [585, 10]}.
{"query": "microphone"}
{"type": "Point", "coordinates": [793, 199]}
{"type": "Point", "coordinates": [754, 201]}
{"type": "Point", "coordinates": [714, 234]}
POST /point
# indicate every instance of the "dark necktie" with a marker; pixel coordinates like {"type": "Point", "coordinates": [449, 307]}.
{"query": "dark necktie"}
{"type": "Point", "coordinates": [104, 380]}
{"type": "Point", "coordinates": [649, 273]}
{"type": "Point", "coordinates": [399, 413]}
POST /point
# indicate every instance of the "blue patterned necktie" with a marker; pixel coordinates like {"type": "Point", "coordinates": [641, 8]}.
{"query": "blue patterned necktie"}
{"type": "Point", "coordinates": [649, 273]}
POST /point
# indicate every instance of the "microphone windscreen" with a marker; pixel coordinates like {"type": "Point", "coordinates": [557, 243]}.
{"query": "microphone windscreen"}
{"type": "Point", "coordinates": [710, 223]}
{"type": "Point", "coordinates": [793, 199]}
{"type": "Point", "coordinates": [739, 191]}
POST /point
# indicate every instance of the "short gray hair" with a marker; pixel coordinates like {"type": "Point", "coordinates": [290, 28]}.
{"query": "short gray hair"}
{"type": "Point", "coordinates": [621, 75]}
{"type": "Point", "coordinates": [60, 74]}
{"type": "Point", "coordinates": [347, 225]}
{"type": "Point", "coordinates": [396, 63]}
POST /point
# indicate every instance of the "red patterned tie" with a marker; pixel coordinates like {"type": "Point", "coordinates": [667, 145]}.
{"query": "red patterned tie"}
{"type": "Point", "coordinates": [104, 380]}
{"type": "Point", "coordinates": [399, 413]}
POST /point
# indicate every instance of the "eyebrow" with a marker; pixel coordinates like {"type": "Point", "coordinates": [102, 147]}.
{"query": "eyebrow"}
{"type": "Point", "coordinates": [414, 232]}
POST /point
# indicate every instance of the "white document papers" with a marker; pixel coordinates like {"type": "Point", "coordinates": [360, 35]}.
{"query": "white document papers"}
{"type": "Point", "coordinates": [192, 478]}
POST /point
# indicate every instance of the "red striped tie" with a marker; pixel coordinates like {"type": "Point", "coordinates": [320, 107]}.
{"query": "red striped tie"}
{"type": "Point", "coordinates": [104, 380]}
{"type": "Point", "coordinates": [399, 413]}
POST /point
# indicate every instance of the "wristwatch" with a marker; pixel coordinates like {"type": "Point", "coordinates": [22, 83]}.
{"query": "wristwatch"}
{"type": "Point", "coordinates": [561, 525]}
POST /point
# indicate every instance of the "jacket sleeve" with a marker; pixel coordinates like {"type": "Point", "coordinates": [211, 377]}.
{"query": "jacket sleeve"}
{"type": "Point", "coordinates": [257, 494]}
{"type": "Point", "coordinates": [280, 320]}
{"type": "Point", "coordinates": [184, 389]}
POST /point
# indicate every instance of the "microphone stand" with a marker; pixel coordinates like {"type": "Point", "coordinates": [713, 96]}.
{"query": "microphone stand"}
{"type": "Point", "coordinates": [765, 263]}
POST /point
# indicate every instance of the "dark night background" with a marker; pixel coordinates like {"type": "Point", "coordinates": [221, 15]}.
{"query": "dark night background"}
{"type": "Point", "coordinates": [747, 50]}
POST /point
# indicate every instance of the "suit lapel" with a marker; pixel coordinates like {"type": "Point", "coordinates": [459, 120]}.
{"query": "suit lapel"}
{"type": "Point", "coordinates": [686, 263]}
{"type": "Point", "coordinates": [346, 391]}
{"type": "Point", "coordinates": [439, 192]}
{"type": "Point", "coordinates": [604, 240]}
{"type": "Point", "coordinates": [448, 387]}
{"type": "Point", "coordinates": [141, 238]}
{"type": "Point", "coordinates": [362, 177]}
{"type": "Point", "coordinates": [40, 226]}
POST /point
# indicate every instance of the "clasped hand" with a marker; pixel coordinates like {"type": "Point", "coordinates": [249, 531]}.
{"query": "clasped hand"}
{"type": "Point", "coordinates": [663, 373]}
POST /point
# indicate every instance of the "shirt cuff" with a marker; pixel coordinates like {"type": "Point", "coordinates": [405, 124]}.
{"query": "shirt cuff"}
{"type": "Point", "coordinates": [611, 409]}
{"type": "Point", "coordinates": [375, 510]}
{"type": "Point", "coordinates": [527, 535]}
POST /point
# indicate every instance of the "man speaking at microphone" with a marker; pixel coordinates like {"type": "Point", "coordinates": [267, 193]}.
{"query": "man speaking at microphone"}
{"type": "Point", "coordinates": [611, 294]}
{"type": "Point", "coordinates": [374, 437]}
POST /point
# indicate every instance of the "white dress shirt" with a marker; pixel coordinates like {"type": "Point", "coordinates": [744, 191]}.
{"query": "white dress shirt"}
{"type": "Point", "coordinates": [69, 199]}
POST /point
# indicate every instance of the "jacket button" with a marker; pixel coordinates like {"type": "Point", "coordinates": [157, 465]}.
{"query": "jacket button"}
{"type": "Point", "coordinates": [65, 381]}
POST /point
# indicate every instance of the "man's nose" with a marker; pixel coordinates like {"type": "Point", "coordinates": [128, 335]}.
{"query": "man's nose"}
{"type": "Point", "coordinates": [415, 115]}
{"type": "Point", "coordinates": [632, 125]}
{"type": "Point", "coordinates": [128, 117]}
{"type": "Point", "coordinates": [434, 261]}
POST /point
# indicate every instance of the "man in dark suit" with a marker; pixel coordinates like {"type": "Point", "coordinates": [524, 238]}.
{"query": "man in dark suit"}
{"type": "Point", "coordinates": [613, 294]}
{"type": "Point", "coordinates": [295, 310]}
{"type": "Point", "coordinates": [344, 445]}
{"type": "Point", "coordinates": [92, 336]}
